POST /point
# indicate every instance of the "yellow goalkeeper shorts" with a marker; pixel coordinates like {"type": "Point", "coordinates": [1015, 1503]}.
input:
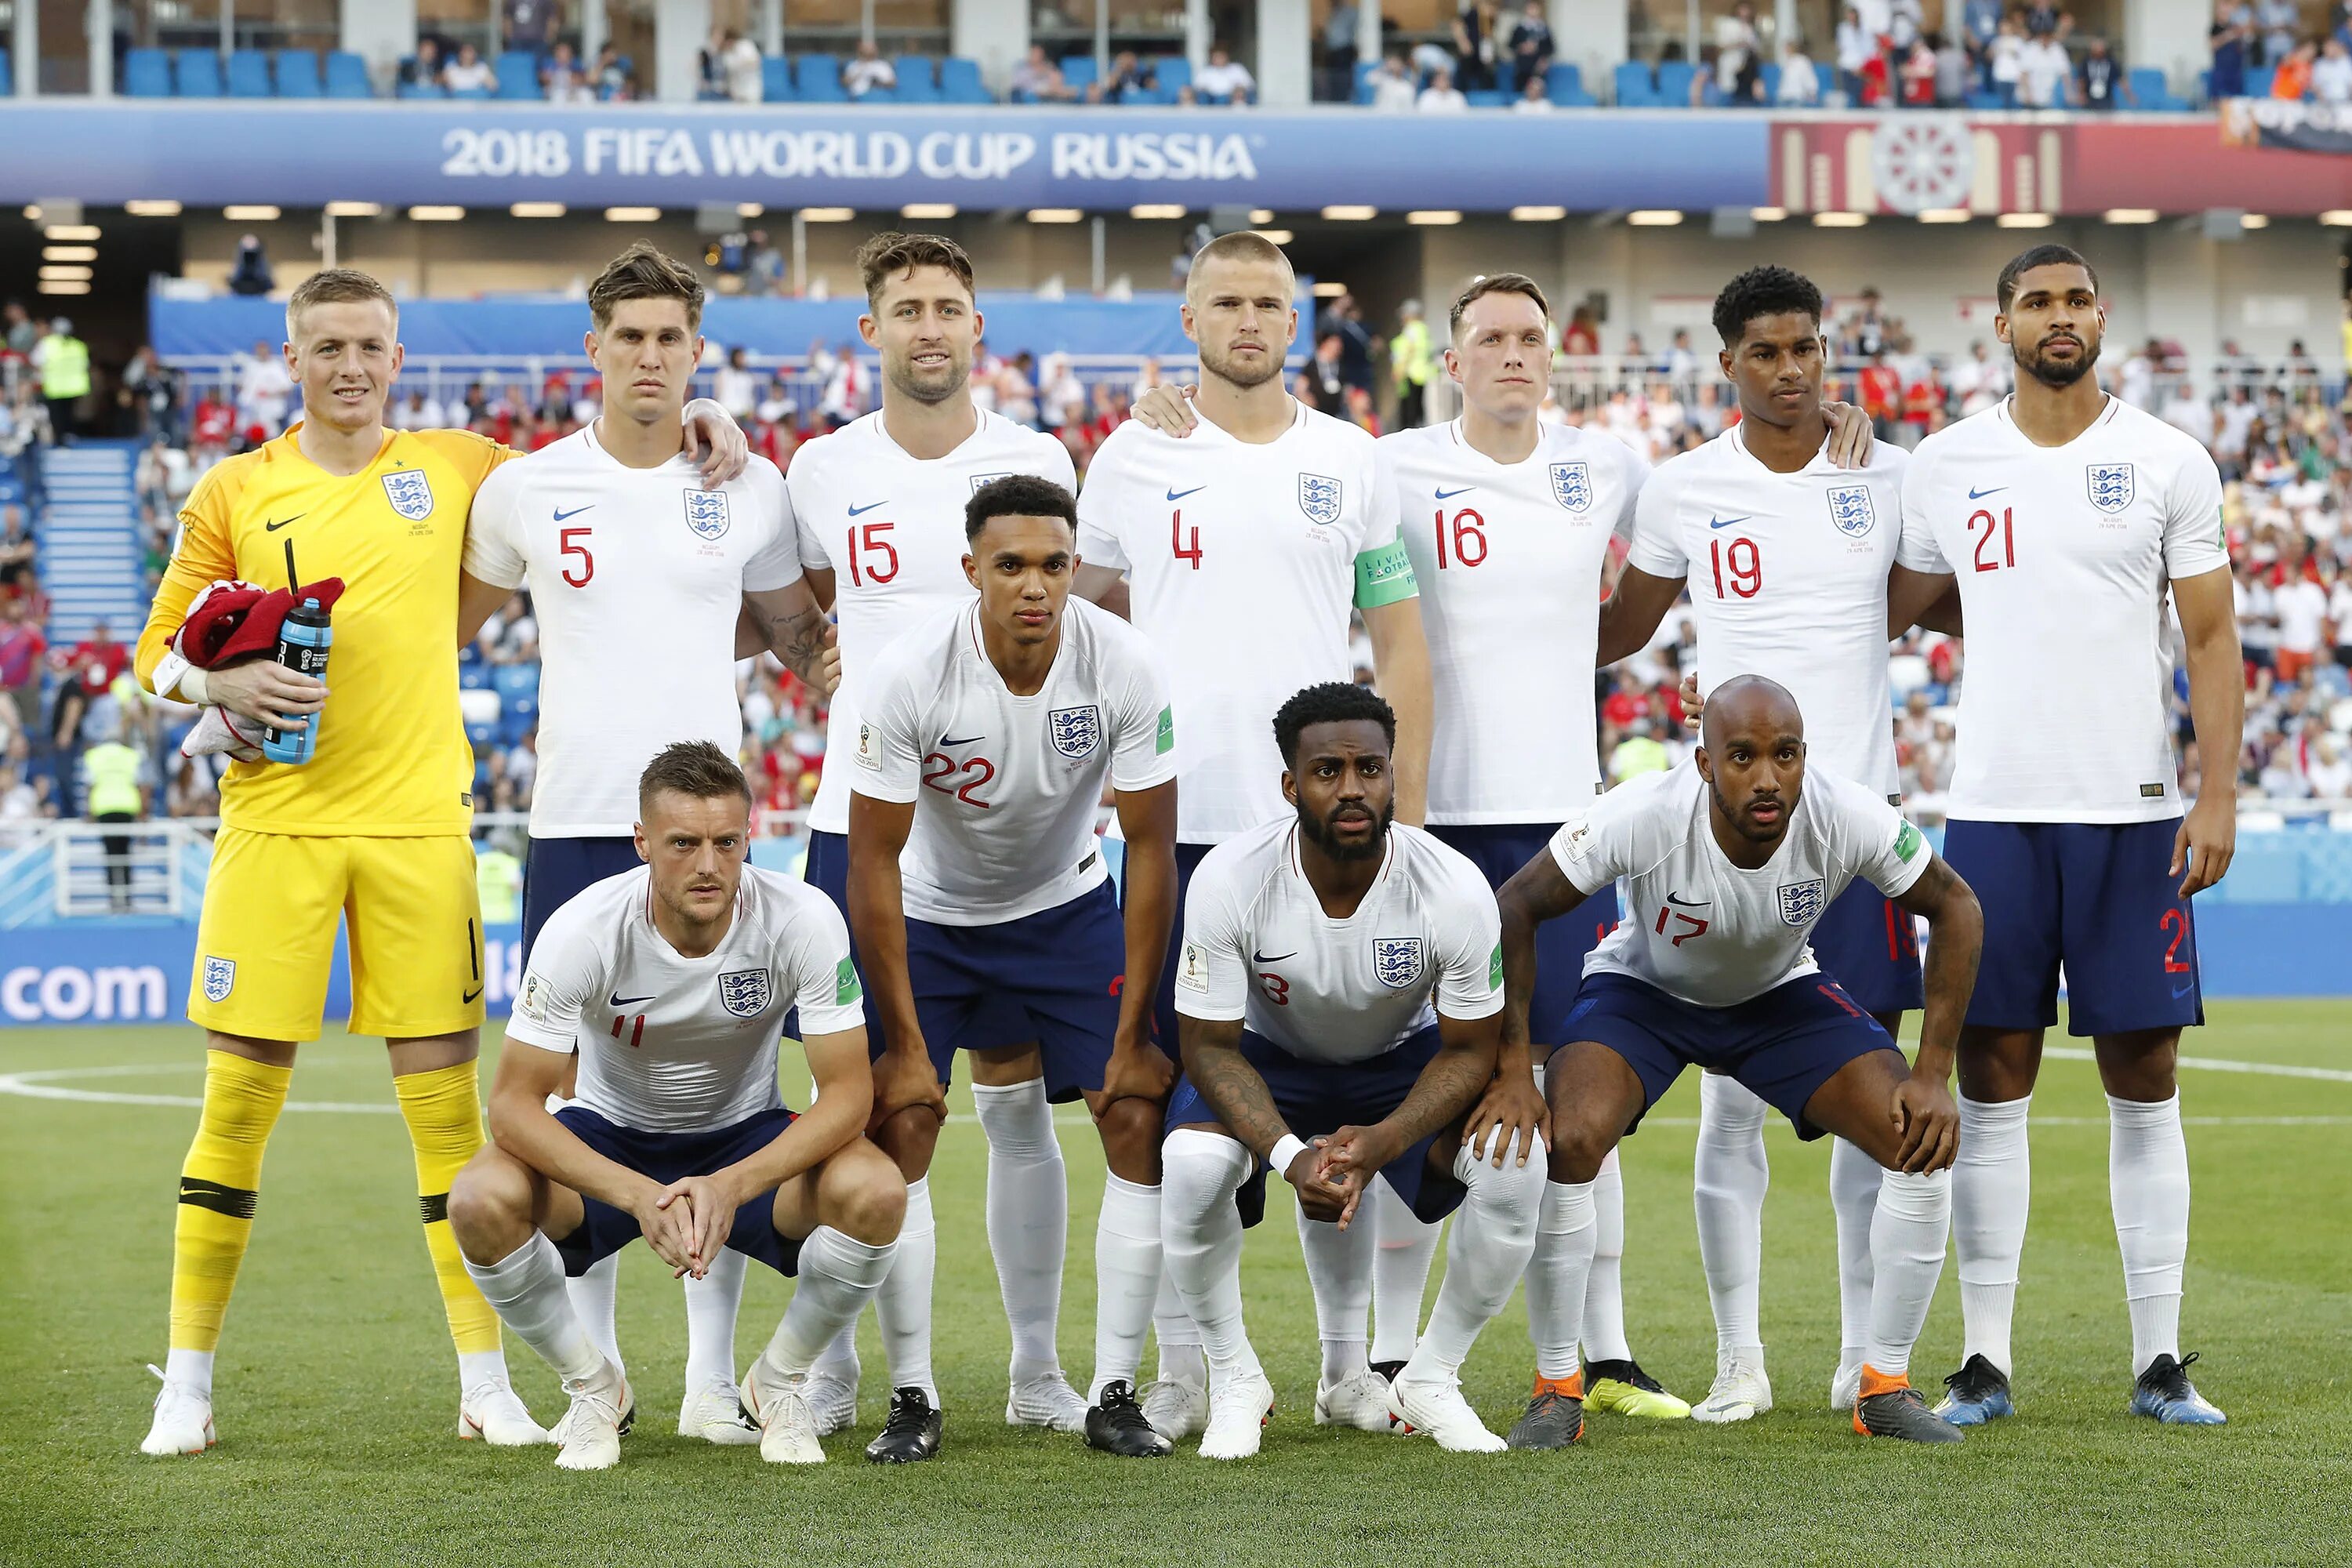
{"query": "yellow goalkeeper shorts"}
{"type": "Point", "coordinates": [266, 939]}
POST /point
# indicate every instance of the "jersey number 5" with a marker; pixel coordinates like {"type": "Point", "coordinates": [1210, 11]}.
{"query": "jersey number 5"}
{"type": "Point", "coordinates": [564, 539]}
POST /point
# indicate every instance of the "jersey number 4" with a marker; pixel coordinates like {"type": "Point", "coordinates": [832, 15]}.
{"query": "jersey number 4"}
{"type": "Point", "coordinates": [940, 770]}
{"type": "Point", "coordinates": [1185, 543]}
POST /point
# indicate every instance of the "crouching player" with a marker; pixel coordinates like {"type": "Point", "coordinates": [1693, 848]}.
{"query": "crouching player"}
{"type": "Point", "coordinates": [671, 983]}
{"type": "Point", "coordinates": [1729, 862]}
{"type": "Point", "coordinates": [1337, 981]}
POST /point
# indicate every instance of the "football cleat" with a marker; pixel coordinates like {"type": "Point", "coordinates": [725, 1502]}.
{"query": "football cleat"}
{"type": "Point", "coordinates": [1359, 1400]}
{"type": "Point", "coordinates": [1176, 1408]}
{"type": "Point", "coordinates": [184, 1419]}
{"type": "Point", "coordinates": [1845, 1386]}
{"type": "Point", "coordinates": [493, 1412]}
{"type": "Point", "coordinates": [1438, 1410]}
{"type": "Point", "coordinates": [716, 1414]}
{"type": "Point", "coordinates": [1116, 1426]}
{"type": "Point", "coordinates": [780, 1405]}
{"type": "Point", "coordinates": [1976, 1394]}
{"type": "Point", "coordinates": [912, 1431]}
{"type": "Point", "coordinates": [1623, 1388]}
{"type": "Point", "coordinates": [1890, 1407]}
{"type": "Point", "coordinates": [1048, 1401]}
{"type": "Point", "coordinates": [589, 1435]}
{"type": "Point", "coordinates": [1741, 1391]}
{"type": "Point", "coordinates": [2165, 1393]}
{"type": "Point", "coordinates": [1388, 1369]}
{"type": "Point", "coordinates": [833, 1399]}
{"type": "Point", "coordinates": [1238, 1413]}
{"type": "Point", "coordinates": [1554, 1414]}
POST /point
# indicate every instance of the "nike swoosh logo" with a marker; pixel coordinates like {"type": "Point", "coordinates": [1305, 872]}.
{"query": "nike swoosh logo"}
{"type": "Point", "coordinates": [1179, 495]}
{"type": "Point", "coordinates": [968, 740]}
{"type": "Point", "coordinates": [274, 527]}
{"type": "Point", "coordinates": [1975, 494]}
{"type": "Point", "coordinates": [2180, 991]}
{"type": "Point", "coordinates": [620, 1001]}
{"type": "Point", "coordinates": [1712, 521]}
{"type": "Point", "coordinates": [1689, 903]}
{"type": "Point", "coordinates": [869, 506]}
{"type": "Point", "coordinates": [1257, 957]}
{"type": "Point", "coordinates": [469, 996]}
{"type": "Point", "coordinates": [575, 511]}
{"type": "Point", "coordinates": [1449, 495]}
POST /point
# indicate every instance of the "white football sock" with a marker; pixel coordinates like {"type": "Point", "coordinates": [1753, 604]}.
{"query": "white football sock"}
{"type": "Point", "coordinates": [1913, 1214]}
{"type": "Point", "coordinates": [1408, 1245]}
{"type": "Point", "coordinates": [593, 1297]}
{"type": "Point", "coordinates": [1853, 1198]}
{"type": "Point", "coordinates": [1201, 1231]}
{"type": "Point", "coordinates": [1340, 1270]}
{"type": "Point", "coordinates": [1182, 1359]}
{"type": "Point", "coordinates": [1728, 1191]}
{"type": "Point", "coordinates": [711, 1303]}
{"type": "Point", "coordinates": [476, 1367]}
{"type": "Point", "coordinates": [1604, 1292]}
{"type": "Point", "coordinates": [525, 1287]}
{"type": "Point", "coordinates": [838, 1275]}
{"type": "Point", "coordinates": [1126, 1279]}
{"type": "Point", "coordinates": [1028, 1217]}
{"type": "Point", "coordinates": [902, 1305]}
{"type": "Point", "coordinates": [1992, 1188]}
{"type": "Point", "coordinates": [1493, 1235]}
{"type": "Point", "coordinates": [1560, 1274]}
{"type": "Point", "coordinates": [2148, 1183]}
{"type": "Point", "coordinates": [840, 1358]}
{"type": "Point", "coordinates": [195, 1368]}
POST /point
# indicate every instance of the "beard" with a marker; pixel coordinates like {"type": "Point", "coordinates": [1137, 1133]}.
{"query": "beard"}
{"type": "Point", "coordinates": [1220, 363]}
{"type": "Point", "coordinates": [927, 385]}
{"type": "Point", "coordinates": [2060, 373]}
{"type": "Point", "coordinates": [1320, 834]}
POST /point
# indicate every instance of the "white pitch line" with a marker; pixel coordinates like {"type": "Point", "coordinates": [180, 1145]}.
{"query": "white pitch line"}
{"type": "Point", "coordinates": [2215, 1064]}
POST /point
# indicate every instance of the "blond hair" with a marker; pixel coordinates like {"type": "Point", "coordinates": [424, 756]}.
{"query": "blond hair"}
{"type": "Point", "coordinates": [1242, 245]}
{"type": "Point", "coordinates": [336, 285]}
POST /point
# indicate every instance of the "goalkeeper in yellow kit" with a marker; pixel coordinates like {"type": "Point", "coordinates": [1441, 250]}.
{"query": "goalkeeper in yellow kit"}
{"type": "Point", "coordinates": [373, 828]}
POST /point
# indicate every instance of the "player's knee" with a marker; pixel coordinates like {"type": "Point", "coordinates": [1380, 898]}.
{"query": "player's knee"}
{"type": "Point", "coordinates": [1510, 1197]}
{"type": "Point", "coordinates": [1130, 1135]}
{"type": "Point", "coordinates": [909, 1138]}
{"type": "Point", "coordinates": [1578, 1148]}
{"type": "Point", "coordinates": [861, 1195]}
{"type": "Point", "coordinates": [489, 1205]}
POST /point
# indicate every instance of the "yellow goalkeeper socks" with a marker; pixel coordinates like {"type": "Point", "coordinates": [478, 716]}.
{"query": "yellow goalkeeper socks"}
{"type": "Point", "coordinates": [444, 1111]}
{"type": "Point", "coordinates": [218, 1188]}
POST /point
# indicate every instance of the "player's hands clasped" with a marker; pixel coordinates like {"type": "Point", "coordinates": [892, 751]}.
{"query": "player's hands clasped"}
{"type": "Point", "coordinates": [1167, 409]}
{"type": "Point", "coordinates": [1349, 1159]}
{"type": "Point", "coordinates": [1927, 1122]}
{"type": "Point", "coordinates": [1323, 1194]}
{"type": "Point", "coordinates": [266, 692]}
{"type": "Point", "coordinates": [1511, 1115]}
{"type": "Point", "coordinates": [706, 1206]}
{"type": "Point", "coordinates": [2207, 842]}
{"type": "Point", "coordinates": [904, 1079]}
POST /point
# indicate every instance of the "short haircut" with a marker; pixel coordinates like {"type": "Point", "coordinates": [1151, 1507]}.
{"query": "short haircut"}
{"type": "Point", "coordinates": [642, 272]}
{"type": "Point", "coordinates": [1764, 291]}
{"type": "Point", "coordinates": [1242, 245]}
{"type": "Point", "coordinates": [1495, 283]}
{"type": "Point", "coordinates": [1018, 495]}
{"type": "Point", "coordinates": [890, 253]}
{"type": "Point", "coordinates": [1331, 702]}
{"type": "Point", "coordinates": [336, 286]}
{"type": "Point", "coordinates": [2005, 287]}
{"type": "Point", "coordinates": [693, 768]}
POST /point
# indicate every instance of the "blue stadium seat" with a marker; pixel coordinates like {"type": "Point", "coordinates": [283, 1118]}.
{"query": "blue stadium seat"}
{"type": "Point", "coordinates": [248, 74]}
{"type": "Point", "coordinates": [960, 80]}
{"type": "Point", "coordinates": [513, 680]}
{"type": "Point", "coordinates": [1981, 99]}
{"type": "Point", "coordinates": [1487, 97]}
{"type": "Point", "coordinates": [196, 73]}
{"type": "Point", "coordinates": [1674, 78]}
{"type": "Point", "coordinates": [347, 76]}
{"type": "Point", "coordinates": [1636, 87]}
{"type": "Point", "coordinates": [1172, 72]}
{"type": "Point", "coordinates": [1506, 79]}
{"type": "Point", "coordinates": [1770, 75]}
{"type": "Point", "coordinates": [514, 725]}
{"type": "Point", "coordinates": [298, 74]}
{"type": "Point", "coordinates": [919, 80]}
{"type": "Point", "coordinates": [7, 73]}
{"type": "Point", "coordinates": [876, 95]}
{"type": "Point", "coordinates": [2149, 90]}
{"type": "Point", "coordinates": [519, 75]}
{"type": "Point", "coordinates": [473, 674]}
{"type": "Point", "coordinates": [776, 78]}
{"type": "Point", "coordinates": [1364, 69]}
{"type": "Point", "coordinates": [2257, 80]}
{"type": "Point", "coordinates": [1565, 85]}
{"type": "Point", "coordinates": [480, 734]}
{"type": "Point", "coordinates": [146, 73]}
{"type": "Point", "coordinates": [1078, 73]}
{"type": "Point", "coordinates": [818, 77]}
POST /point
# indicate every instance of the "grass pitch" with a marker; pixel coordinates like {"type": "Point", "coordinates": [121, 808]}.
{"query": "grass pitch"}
{"type": "Point", "coordinates": [337, 1399]}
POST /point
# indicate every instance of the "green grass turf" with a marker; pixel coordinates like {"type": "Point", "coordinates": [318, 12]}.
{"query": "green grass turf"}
{"type": "Point", "coordinates": [337, 1397]}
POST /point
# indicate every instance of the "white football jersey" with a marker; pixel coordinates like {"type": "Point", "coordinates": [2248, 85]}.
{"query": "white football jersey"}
{"type": "Point", "coordinates": [1006, 788]}
{"type": "Point", "coordinates": [1788, 581]}
{"type": "Point", "coordinates": [1702, 929]}
{"type": "Point", "coordinates": [2063, 554]}
{"type": "Point", "coordinates": [1244, 560]}
{"type": "Point", "coordinates": [1509, 559]}
{"type": "Point", "coordinates": [1425, 940]}
{"type": "Point", "coordinates": [890, 529]}
{"type": "Point", "coordinates": [669, 1044]}
{"type": "Point", "coordinates": [636, 577]}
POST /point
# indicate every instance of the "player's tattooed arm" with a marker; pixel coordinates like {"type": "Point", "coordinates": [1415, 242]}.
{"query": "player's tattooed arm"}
{"type": "Point", "coordinates": [1453, 1081]}
{"type": "Point", "coordinates": [1924, 1113]}
{"type": "Point", "coordinates": [1538, 892]}
{"type": "Point", "coordinates": [521, 1124]}
{"type": "Point", "coordinates": [1234, 1088]}
{"type": "Point", "coordinates": [1631, 613]}
{"type": "Point", "coordinates": [1915, 598]}
{"type": "Point", "coordinates": [790, 622]}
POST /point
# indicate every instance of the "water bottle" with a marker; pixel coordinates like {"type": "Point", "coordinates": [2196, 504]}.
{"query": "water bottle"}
{"type": "Point", "coordinates": [302, 643]}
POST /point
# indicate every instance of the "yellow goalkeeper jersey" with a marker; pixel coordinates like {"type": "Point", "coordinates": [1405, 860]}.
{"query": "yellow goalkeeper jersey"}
{"type": "Point", "coordinates": [391, 760]}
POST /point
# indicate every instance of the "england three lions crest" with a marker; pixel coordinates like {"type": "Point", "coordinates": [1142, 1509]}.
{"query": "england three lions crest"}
{"type": "Point", "coordinates": [1318, 497]}
{"type": "Point", "coordinates": [744, 992]}
{"type": "Point", "coordinates": [1075, 731]}
{"type": "Point", "coordinates": [706, 514]}
{"type": "Point", "coordinates": [1802, 902]}
{"type": "Point", "coordinates": [220, 978]}
{"type": "Point", "coordinates": [1396, 960]}
{"type": "Point", "coordinates": [1850, 511]}
{"type": "Point", "coordinates": [410, 493]}
{"type": "Point", "coordinates": [2110, 485]}
{"type": "Point", "coordinates": [1571, 485]}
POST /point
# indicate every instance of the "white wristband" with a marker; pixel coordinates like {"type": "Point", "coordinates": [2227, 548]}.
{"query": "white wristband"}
{"type": "Point", "coordinates": [194, 687]}
{"type": "Point", "coordinates": [1287, 1148]}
